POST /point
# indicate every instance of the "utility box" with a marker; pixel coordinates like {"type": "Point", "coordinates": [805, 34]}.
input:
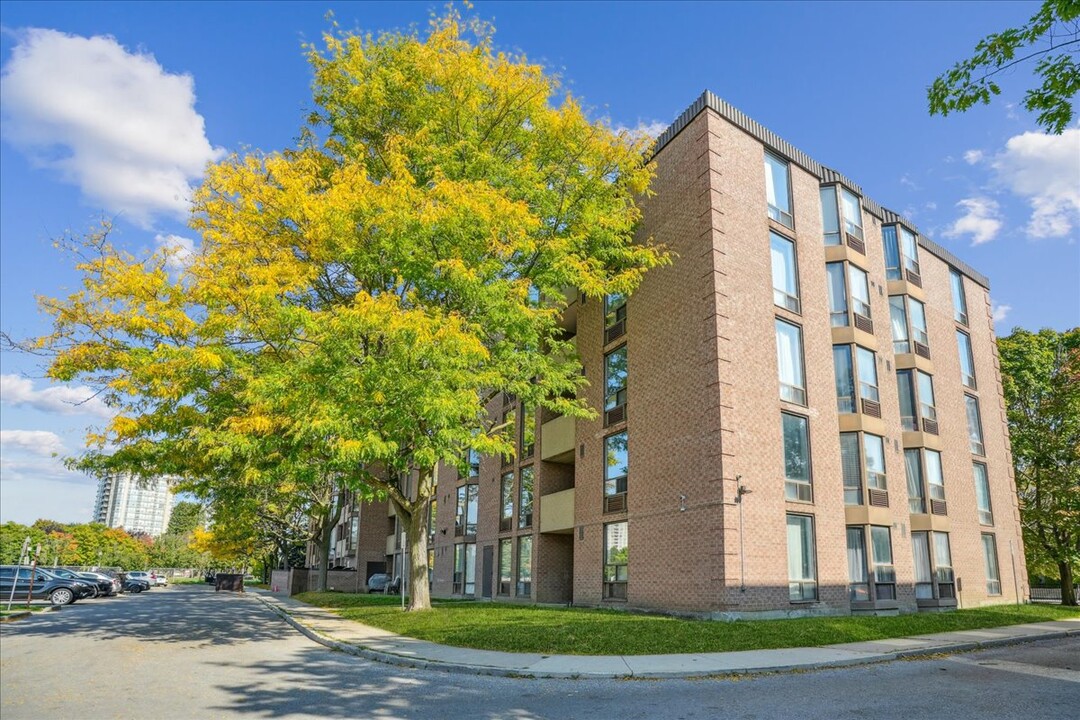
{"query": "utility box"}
{"type": "Point", "coordinates": [233, 582]}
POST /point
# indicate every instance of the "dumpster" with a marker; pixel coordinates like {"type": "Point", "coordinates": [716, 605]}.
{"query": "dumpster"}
{"type": "Point", "coordinates": [233, 582]}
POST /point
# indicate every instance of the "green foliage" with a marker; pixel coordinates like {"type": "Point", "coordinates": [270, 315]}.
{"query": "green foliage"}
{"type": "Point", "coordinates": [186, 516]}
{"type": "Point", "coordinates": [580, 631]}
{"type": "Point", "coordinates": [1052, 35]}
{"type": "Point", "coordinates": [1041, 379]}
{"type": "Point", "coordinates": [85, 544]}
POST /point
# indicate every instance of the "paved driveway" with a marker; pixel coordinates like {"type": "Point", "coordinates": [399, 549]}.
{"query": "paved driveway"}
{"type": "Point", "coordinates": [187, 652]}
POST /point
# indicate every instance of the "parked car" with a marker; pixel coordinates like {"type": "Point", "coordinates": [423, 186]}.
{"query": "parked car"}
{"type": "Point", "coordinates": [146, 577]}
{"type": "Point", "coordinates": [135, 585]}
{"type": "Point", "coordinates": [381, 582]}
{"type": "Point", "coordinates": [111, 590]}
{"type": "Point", "coordinates": [161, 580]}
{"type": "Point", "coordinates": [46, 586]}
{"type": "Point", "coordinates": [97, 587]}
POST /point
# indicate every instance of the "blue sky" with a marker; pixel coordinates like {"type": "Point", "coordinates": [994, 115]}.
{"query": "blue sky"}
{"type": "Point", "coordinates": [113, 108]}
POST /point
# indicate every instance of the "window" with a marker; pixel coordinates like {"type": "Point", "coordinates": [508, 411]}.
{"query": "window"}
{"type": "Point", "coordinates": [528, 431]}
{"type": "Point", "coordinates": [882, 559]}
{"type": "Point", "coordinates": [848, 289]}
{"type": "Point", "coordinates": [525, 498]}
{"type": "Point", "coordinates": [789, 358]}
{"type": "Point", "coordinates": [901, 254]}
{"type": "Point", "coordinates": [506, 560]}
{"type": "Point", "coordinates": [874, 458]}
{"type": "Point", "coordinates": [470, 509]}
{"type": "Point", "coordinates": [858, 578]}
{"type": "Point", "coordinates": [982, 494]}
{"type": "Point", "coordinates": [909, 337]}
{"type": "Point", "coordinates": [785, 274]}
{"type": "Point", "coordinates": [922, 464]}
{"type": "Point", "coordinates": [614, 317]}
{"type": "Point", "coordinates": [993, 576]}
{"type": "Point", "coordinates": [796, 457]}
{"type": "Point", "coordinates": [615, 386]}
{"type": "Point", "coordinates": [916, 390]}
{"type": "Point", "coordinates": [943, 571]}
{"type": "Point", "coordinates": [465, 569]}
{"type": "Point", "coordinates": [852, 213]}
{"type": "Point", "coordinates": [959, 300]}
{"type": "Point", "coordinates": [524, 569]}
{"type": "Point", "coordinates": [433, 512]}
{"type": "Point", "coordinates": [616, 549]}
{"type": "Point", "coordinates": [967, 360]}
{"type": "Point", "coordinates": [474, 464]}
{"type": "Point", "coordinates": [868, 382]}
{"type": "Point", "coordinates": [933, 565]}
{"type": "Point", "coordinates": [975, 434]}
{"type": "Point", "coordinates": [506, 497]}
{"type": "Point", "coordinates": [844, 369]}
{"type": "Point", "coordinates": [851, 466]}
{"type": "Point", "coordinates": [802, 570]}
{"type": "Point", "coordinates": [778, 190]}
{"type": "Point", "coordinates": [616, 464]}
{"type": "Point", "coordinates": [830, 215]}
{"type": "Point", "coordinates": [935, 480]}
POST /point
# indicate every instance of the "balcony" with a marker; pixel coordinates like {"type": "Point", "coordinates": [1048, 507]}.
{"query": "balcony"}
{"type": "Point", "coordinates": [557, 440]}
{"type": "Point", "coordinates": [557, 512]}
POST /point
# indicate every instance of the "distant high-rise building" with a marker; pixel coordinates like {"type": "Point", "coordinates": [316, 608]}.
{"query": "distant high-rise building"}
{"type": "Point", "coordinates": [137, 505]}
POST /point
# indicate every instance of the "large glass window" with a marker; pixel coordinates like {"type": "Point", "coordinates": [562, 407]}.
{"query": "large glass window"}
{"type": "Point", "coordinates": [901, 252]}
{"type": "Point", "coordinates": [924, 576]}
{"type": "Point", "coordinates": [916, 488]}
{"type": "Point", "coordinates": [844, 370]}
{"type": "Point", "coordinates": [858, 578]}
{"type": "Point", "coordinates": [993, 576]}
{"type": "Point", "coordinates": [802, 566]}
{"type": "Point", "coordinates": [933, 565]}
{"type": "Point", "coordinates": [935, 478]}
{"type": "Point", "coordinates": [615, 384]}
{"type": "Point", "coordinates": [471, 506]}
{"type": "Point", "coordinates": [830, 215]}
{"type": "Point", "coordinates": [943, 569]}
{"type": "Point", "coordinates": [474, 464]}
{"type": "Point", "coordinates": [891, 243]}
{"type": "Point", "coordinates": [525, 498]}
{"type": "Point", "coordinates": [465, 569]}
{"type": "Point", "coordinates": [838, 296]}
{"type": "Point", "coordinates": [796, 457]}
{"type": "Point", "coordinates": [967, 360]}
{"type": "Point", "coordinates": [614, 310]}
{"type": "Point", "coordinates": [616, 552]}
{"type": "Point", "coordinates": [874, 458]}
{"type": "Point", "coordinates": [916, 391]}
{"type": "Point", "coordinates": [506, 561]}
{"type": "Point", "coordinates": [616, 464]}
{"type": "Point", "coordinates": [852, 213]}
{"type": "Point", "coordinates": [778, 190]}
{"type": "Point", "coordinates": [785, 274]}
{"type": "Point", "coordinates": [882, 558]}
{"type": "Point", "coordinates": [902, 309]}
{"type": "Point", "coordinates": [868, 382]}
{"type": "Point", "coordinates": [959, 300]}
{"type": "Point", "coordinates": [974, 422]}
{"type": "Point", "coordinates": [982, 494]}
{"type": "Point", "coordinates": [524, 569]}
{"type": "Point", "coordinates": [860, 291]}
{"type": "Point", "coordinates": [851, 467]}
{"type": "Point", "coordinates": [506, 501]}
{"type": "Point", "coordinates": [789, 358]}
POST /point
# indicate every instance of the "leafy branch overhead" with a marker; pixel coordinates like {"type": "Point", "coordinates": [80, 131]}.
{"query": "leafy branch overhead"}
{"type": "Point", "coordinates": [1051, 39]}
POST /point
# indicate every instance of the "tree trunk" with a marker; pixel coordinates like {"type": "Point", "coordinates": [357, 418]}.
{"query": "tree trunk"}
{"type": "Point", "coordinates": [1068, 591]}
{"type": "Point", "coordinates": [325, 536]}
{"type": "Point", "coordinates": [416, 536]}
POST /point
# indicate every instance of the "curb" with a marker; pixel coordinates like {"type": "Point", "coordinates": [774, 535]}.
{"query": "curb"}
{"type": "Point", "coordinates": [409, 662]}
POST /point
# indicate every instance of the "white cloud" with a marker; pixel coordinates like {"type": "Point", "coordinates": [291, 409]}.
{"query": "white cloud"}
{"type": "Point", "coordinates": [113, 122]}
{"type": "Point", "coordinates": [59, 399]}
{"type": "Point", "coordinates": [906, 181]}
{"type": "Point", "coordinates": [981, 220]}
{"type": "Point", "coordinates": [1000, 312]}
{"type": "Point", "coordinates": [179, 249]}
{"type": "Point", "coordinates": [971, 157]}
{"type": "Point", "coordinates": [1045, 171]}
{"type": "Point", "coordinates": [650, 129]}
{"type": "Point", "coordinates": [38, 442]}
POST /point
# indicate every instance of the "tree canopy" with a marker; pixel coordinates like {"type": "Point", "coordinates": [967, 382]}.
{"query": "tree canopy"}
{"type": "Point", "coordinates": [1052, 36]}
{"type": "Point", "coordinates": [356, 301]}
{"type": "Point", "coordinates": [1041, 379]}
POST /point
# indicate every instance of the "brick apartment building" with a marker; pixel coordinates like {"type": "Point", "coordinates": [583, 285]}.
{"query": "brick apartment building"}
{"type": "Point", "coordinates": [803, 413]}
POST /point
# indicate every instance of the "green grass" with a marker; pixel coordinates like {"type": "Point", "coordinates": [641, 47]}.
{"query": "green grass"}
{"type": "Point", "coordinates": [22, 608]}
{"type": "Point", "coordinates": [187, 581]}
{"type": "Point", "coordinates": [580, 631]}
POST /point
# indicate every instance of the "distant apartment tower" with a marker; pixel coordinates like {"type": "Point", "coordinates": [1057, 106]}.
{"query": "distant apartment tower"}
{"type": "Point", "coordinates": [137, 505]}
{"type": "Point", "coordinates": [802, 414]}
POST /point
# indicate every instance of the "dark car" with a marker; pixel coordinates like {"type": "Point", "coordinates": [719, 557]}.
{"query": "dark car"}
{"type": "Point", "coordinates": [45, 586]}
{"type": "Point", "coordinates": [97, 587]}
{"type": "Point", "coordinates": [381, 582]}
{"type": "Point", "coordinates": [107, 586]}
{"type": "Point", "coordinates": [134, 584]}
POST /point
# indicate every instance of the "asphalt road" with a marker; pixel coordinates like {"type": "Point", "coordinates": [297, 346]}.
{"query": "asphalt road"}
{"type": "Point", "coordinates": [187, 652]}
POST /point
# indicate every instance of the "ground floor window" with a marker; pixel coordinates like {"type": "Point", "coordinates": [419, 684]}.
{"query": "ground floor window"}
{"type": "Point", "coordinates": [802, 566]}
{"type": "Point", "coordinates": [465, 569]}
{"type": "Point", "coordinates": [993, 575]}
{"type": "Point", "coordinates": [616, 548]}
{"type": "Point", "coordinates": [524, 569]}
{"type": "Point", "coordinates": [506, 561]}
{"type": "Point", "coordinates": [933, 565]}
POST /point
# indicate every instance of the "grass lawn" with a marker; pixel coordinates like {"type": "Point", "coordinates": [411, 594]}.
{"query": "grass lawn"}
{"type": "Point", "coordinates": [581, 631]}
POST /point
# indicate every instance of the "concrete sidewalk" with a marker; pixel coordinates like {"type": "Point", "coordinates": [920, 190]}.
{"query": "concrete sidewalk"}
{"type": "Point", "coordinates": [335, 632]}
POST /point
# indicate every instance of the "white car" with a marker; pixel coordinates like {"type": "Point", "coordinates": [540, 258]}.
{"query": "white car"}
{"type": "Point", "coordinates": [162, 580]}
{"type": "Point", "coordinates": [144, 576]}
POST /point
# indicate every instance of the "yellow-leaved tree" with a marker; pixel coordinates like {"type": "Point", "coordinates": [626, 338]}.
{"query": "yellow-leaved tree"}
{"type": "Point", "coordinates": [356, 301]}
